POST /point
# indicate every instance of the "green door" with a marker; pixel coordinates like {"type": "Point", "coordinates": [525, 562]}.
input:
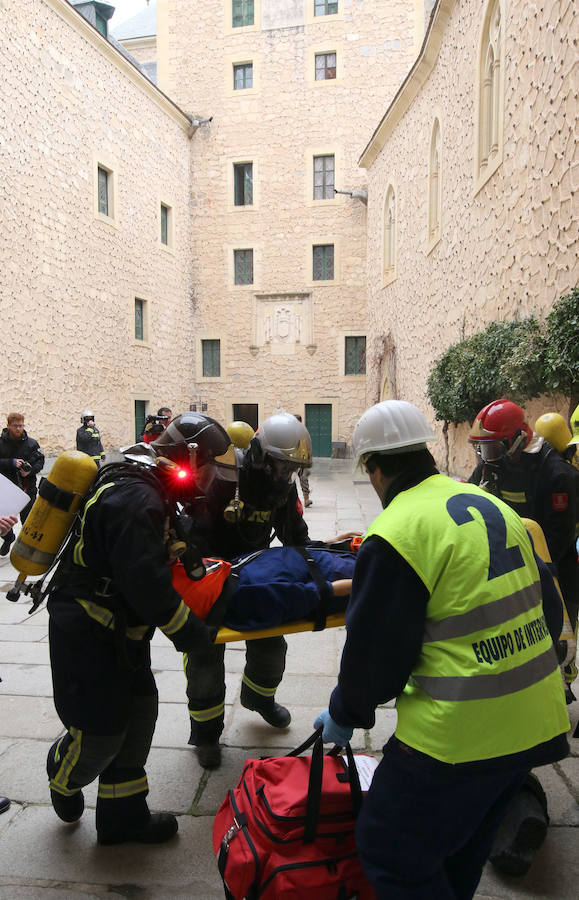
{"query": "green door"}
{"type": "Point", "coordinates": [319, 425]}
{"type": "Point", "coordinates": [140, 417]}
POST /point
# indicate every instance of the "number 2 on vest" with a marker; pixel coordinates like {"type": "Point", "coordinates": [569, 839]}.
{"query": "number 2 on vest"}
{"type": "Point", "coordinates": [502, 559]}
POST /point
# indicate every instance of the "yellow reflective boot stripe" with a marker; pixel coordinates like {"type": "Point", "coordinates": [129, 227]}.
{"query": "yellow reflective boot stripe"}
{"type": "Point", "coordinates": [123, 789]}
{"type": "Point", "coordinates": [205, 715]}
{"type": "Point", "coordinates": [177, 621]}
{"type": "Point", "coordinates": [263, 691]}
{"type": "Point", "coordinates": [80, 543]}
{"type": "Point", "coordinates": [488, 687]}
{"type": "Point", "coordinates": [60, 781]}
{"type": "Point", "coordinates": [488, 615]}
{"type": "Point", "coordinates": [105, 617]}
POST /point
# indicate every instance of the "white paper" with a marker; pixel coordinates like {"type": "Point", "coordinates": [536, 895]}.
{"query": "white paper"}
{"type": "Point", "coordinates": [366, 766]}
{"type": "Point", "coordinates": [12, 499]}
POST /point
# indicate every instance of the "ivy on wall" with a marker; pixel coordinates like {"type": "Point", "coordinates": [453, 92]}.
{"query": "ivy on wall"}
{"type": "Point", "coordinates": [521, 359]}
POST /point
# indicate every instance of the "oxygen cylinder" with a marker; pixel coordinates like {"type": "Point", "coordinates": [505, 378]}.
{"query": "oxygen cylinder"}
{"type": "Point", "coordinates": [567, 636]}
{"type": "Point", "coordinates": [49, 520]}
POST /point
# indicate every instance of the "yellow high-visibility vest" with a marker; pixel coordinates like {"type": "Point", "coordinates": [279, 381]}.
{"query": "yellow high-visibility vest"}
{"type": "Point", "coordinates": [486, 682]}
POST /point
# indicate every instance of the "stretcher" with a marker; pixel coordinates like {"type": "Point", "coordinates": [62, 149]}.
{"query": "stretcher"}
{"type": "Point", "coordinates": [228, 635]}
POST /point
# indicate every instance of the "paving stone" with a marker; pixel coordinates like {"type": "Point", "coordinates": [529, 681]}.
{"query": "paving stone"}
{"type": "Point", "coordinates": [35, 681]}
{"type": "Point", "coordinates": [24, 632]}
{"type": "Point", "coordinates": [553, 876]}
{"type": "Point", "coordinates": [24, 653]}
{"type": "Point", "coordinates": [562, 805]}
{"type": "Point", "coordinates": [28, 717]}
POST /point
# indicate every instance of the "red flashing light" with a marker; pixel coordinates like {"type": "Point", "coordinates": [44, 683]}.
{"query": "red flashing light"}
{"type": "Point", "coordinates": [183, 474]}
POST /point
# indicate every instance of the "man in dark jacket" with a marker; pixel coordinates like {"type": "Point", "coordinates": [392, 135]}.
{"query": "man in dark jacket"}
{"type": "Point", "coordinates": [88, 438]}
{"type": "Point", "coordinates": [112, 590]}
{"type": "Point", "coordinates": [21, 459]}
{"type": "Point", "coordinates": [447, 614]}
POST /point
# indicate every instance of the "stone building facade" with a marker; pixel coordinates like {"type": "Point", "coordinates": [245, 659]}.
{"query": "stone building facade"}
{"type": "Point", "coordinates": [294, 85]}
{"type": "Point", "coordinates": [472, 182]}
{"type": "Point", "coordinates": [78, 116]}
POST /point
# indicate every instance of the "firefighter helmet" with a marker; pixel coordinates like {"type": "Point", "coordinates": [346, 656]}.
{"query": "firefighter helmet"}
{"type": "Point", "coordinates": [283, 444]}
{"type": "Point", "coordinates": [393, 426]}
{"type": "Point", "coordinates": [554, 428]}
{"type": "Point", "coordinates": [240, 433]}
{"type": "Point", "coordinates": [500, 429]}
{"type": "Point", "coordinates": [574, 422]}
{"type": "Point", "coordinates": [86, 415]}
{"type": "Point", "coordinates": [200, 444]}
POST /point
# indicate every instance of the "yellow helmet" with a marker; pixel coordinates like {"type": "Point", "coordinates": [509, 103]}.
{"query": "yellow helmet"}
{"type": "Point", "coordinates": [574, 422]}
{"type": "Point", "coordinates": [554, 429]}
{"type": "Point", "coordinates": [240, 433]}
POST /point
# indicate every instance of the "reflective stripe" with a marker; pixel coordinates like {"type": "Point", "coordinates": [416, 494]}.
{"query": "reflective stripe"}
{"type": "Point", "coordinates": [80, 543]}
{"type": "Point", "coordinates": [514, 496]}
{"type": "Point", "coordinates": [177, 621]}
{"type": "Point", "coordinates": [205, 715]}
{"type": "Point", "coordinates": [488, 615]}
{"type": "Point", "coordinates": [123, 789]}
{"type": "Point", "coordinates": [34, 555]}
{"type": "Point", "coordinates": [487, 687]}
{"type": "Point", "coordinates": [106, 618]}
{"type": "Point", "coordinates": [60, 781]}
{"type": "Point", "coordinates": [263, 691]}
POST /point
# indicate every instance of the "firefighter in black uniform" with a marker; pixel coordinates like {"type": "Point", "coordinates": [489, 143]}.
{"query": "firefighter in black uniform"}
{"type": "Point", "coordinates": [88, 438]}
{"type": "Point", "coordinates": [530, 476]}
{"type": "Point", "coordinates": [266, 505]}
{"type": "Point", "coordinates": [111, 591]}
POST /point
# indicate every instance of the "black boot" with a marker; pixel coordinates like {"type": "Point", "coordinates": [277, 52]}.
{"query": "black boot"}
{"type": "Point", "coordinates": [209, 755]}
{"type": "Point", "coordinates": [160, 827]}
{"type": "Point", "coordinates": [70, 807]}
{"type": "Point", "coordinates": [522, 831]}
{"type": "Point", "coordinates": [205, 739]}
{"type": "Point", "coordinates": [273, 713]}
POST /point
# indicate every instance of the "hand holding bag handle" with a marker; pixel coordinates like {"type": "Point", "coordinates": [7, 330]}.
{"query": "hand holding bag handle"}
{"type": "Point", "coordinates": [315, 781]}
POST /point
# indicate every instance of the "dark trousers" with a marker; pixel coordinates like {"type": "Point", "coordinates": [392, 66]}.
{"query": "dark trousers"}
{"type": "Point", "coordinates": [205, 673]}
{"type": "Point", "coordinates": [109, 709]}
{"type": "Point", "coordinates": [426, 828]}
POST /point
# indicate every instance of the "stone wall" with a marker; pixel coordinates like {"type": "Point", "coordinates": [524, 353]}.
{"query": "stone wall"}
{"type": "Point", "coordinates": [509, 249]}
{"type": "Point", "coordinates": [69, 275]}
{"type": "Point", "coordinates": [279, 125]}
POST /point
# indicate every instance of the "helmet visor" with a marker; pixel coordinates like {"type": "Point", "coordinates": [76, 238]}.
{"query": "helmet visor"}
{"type": "Point", "coordinates": [490, 451]}
{"type": "Point", "coordinates": [223, 467]}
{"type": "Point", "coordinates": [284, 470]}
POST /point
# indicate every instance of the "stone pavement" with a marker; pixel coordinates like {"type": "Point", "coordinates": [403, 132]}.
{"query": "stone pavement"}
{"type": "Point", "coordinates": [42, 857]}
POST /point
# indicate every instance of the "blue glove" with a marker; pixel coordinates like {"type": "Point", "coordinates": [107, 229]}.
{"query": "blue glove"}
{"type": "Point", "coordinates": [333, 733]}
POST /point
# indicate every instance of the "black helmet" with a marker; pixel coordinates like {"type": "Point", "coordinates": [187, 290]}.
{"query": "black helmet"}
{"type": "Point", "coordinates": [199, 443]}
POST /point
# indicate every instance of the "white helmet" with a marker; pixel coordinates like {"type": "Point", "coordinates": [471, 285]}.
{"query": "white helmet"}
{"type": "Point", "coordinates": [282, 437]}
{"type": "Point", "coordinates": [86, 414]}
{"type": "Point", "coordinates": [390, 427]}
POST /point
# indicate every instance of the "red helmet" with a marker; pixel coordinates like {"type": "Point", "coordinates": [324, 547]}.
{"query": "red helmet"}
{"type": "Point", "coordinates": [500, 429]}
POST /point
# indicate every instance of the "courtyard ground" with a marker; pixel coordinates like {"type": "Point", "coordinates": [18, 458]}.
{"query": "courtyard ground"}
{"type": "Point", "coordinates": [42, 857]}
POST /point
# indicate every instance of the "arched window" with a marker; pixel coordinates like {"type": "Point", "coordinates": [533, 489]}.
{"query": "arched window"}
{"type": "Point", "coordinates": [434, 187]}
{"type": "Point", "coordinates": [490, 94]}
{"type": "Point", "coordinates": [390, 235]}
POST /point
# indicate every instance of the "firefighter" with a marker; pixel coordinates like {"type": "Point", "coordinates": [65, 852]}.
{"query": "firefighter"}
{"type": "Point", "coordinates": [88, 438]}
{"type": "Point", "coordinates": [265, 506]}
{"type": "Point", "coordinates": [518, 466]}
{"type": "Point", "coordinates": [572, 445]}
{"type": "Point", "coordinates": [112, 588]}
{"type": "Point", "coordinates": [445, 584]}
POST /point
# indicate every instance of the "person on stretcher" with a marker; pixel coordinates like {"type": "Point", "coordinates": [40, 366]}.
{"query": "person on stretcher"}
{"type": "Point", "coordinates": [269, 588]}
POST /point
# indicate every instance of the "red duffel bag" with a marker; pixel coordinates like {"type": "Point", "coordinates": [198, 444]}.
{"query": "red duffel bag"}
{"type": "Point", "coordinates": [288, 828]}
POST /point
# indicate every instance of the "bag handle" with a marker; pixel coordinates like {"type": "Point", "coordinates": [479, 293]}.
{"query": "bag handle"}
{"type": "Point", "coordinates": [325, 594]}
{"type": "Point", "coordinates": [315, 781]}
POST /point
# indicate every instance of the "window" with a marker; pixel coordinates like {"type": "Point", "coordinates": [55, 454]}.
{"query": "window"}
{"type": "Point", "coordinates": [325, 7]}
{"type": "Point", "coordinates": [243, 184]}
{"type": "Point", "coordinates": [211, 352]}
{"type": "Point", "coordinates": [242, 76]}
{"type": "Point", "coordinates": [324, 177]}
{"type": "Point", "coordinates": [390, 234]}
{"type": "Point", "coordinates": [166, 225]}
{"type": "Point", "coordinates": [243, 266]}
{"type": "Point", "coordinates": [242, 13]}
{"type": "Point", "coordinates": [101, 24]}
{"type": "Point", "coordinates": [355, 361]}
{"type": "Point", "coordinates": [104, 192]}
{"type": "Point", "coordinates": [325, 66]}
{"type": "Point", "coordinates": [490, 93]}
{"type": "Point", "coordinates": [434, 186]}
{"type": "Point", "coordinates": [139, 319]}
{"type": "Point", "coordinates": [323, 262]}
{"type": "Point", "coordinates": [140, 418]}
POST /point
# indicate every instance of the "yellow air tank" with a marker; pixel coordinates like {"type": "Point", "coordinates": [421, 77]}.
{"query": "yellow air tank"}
{"type": "Point", "coordinates": [49, 520]}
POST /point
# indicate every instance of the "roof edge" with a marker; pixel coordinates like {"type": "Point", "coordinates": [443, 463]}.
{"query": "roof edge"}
{"type": "Point", "coordinates": [69, 14]}
{"type": "Point", "coordinates": [413, 82]}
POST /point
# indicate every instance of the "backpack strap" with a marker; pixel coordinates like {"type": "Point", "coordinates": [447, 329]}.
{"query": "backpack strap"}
{"type": "Point", "coordinates": [321, 584]}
